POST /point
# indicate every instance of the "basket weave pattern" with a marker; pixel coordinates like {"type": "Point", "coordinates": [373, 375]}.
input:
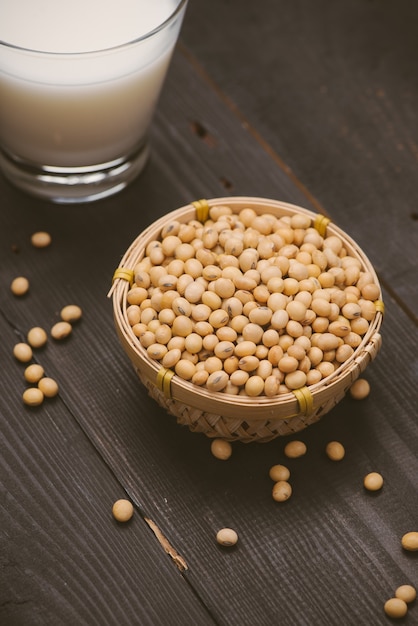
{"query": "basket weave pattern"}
{"type": "Point", "coordinates": [259, 430]}
{"type": "Point", "coordinates": [239, 417]}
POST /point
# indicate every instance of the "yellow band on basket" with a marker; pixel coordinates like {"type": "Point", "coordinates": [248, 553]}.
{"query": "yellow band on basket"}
{"type": "Point", "coordinates": [304, 397]}
{"type": "Point", "coordinates": [380, 306]}
{"type": "Point", "coordinates": [321, 223]}
{"type": "Point", "coordinates": [202, 210]}
{"type": "Point", "coordinates": [163, 381]}
{"type": "Point", "coordinates": [125, 274]}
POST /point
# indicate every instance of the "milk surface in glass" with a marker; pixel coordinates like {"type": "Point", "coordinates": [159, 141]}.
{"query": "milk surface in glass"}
{"type": "Point", "coordinates": [71, 109]}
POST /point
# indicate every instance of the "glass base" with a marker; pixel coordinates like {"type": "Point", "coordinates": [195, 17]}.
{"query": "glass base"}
{"type": "Point", "coordinates": [72, 185]}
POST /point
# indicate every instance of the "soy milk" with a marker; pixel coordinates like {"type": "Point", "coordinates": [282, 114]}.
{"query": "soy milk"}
{"type": "Point", "coordinates": [62, 108]}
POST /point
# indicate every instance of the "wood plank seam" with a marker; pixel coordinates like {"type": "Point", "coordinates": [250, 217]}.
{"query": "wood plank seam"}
{"type": "Point", "coordinates": [248, 127]}
{"type": "Point", "coordinates": [178, 560]}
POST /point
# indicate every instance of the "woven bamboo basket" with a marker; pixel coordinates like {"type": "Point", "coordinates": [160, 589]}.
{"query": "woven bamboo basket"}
{"type": "Point", "coordinates": [239, 417]}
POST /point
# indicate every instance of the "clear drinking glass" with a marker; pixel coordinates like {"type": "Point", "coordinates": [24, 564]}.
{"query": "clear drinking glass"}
{"type": "Point", "coordinates": [79, 83]}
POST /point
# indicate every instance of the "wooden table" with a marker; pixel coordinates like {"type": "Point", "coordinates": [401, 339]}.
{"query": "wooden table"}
{"type": "Point", "coordinates": [311, 103]}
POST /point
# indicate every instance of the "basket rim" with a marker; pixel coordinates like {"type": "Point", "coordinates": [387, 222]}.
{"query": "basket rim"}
{"type": "Point", "coordinates": [228, 404]}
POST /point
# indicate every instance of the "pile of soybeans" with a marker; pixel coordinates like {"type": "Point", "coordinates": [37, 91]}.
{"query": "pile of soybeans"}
{"type": "Point", "coordinates": [250, 304]}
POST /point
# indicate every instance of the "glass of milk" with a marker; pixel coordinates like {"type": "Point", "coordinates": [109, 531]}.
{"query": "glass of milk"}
{"type": "Point", "coordinates": [79, 83]}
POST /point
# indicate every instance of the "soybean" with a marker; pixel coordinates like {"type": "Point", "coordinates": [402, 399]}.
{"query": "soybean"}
{"type": "Point", "coordinates": [410, 541]}
{"type": "Point", "coordinates": [396, 608]}
{"type": "Point", "coordinates": [19, 286]}
{"type": "Point", "coordinates": [33, 396]}
{"type": "Point", "coordinates": [185, 369]}
{"type": "Point", "coordinates": [37, 337]}
{"type": "Point", "coordinates": [61, 330]}
{"type": "Point", "coordinates": [282, 491]}
{"type": "Point", "coordinates": [217, 380]}
{"type": "Point", "coordinates": [122, 510]}
{"type": "Point", "coordinates": [254, 386]}
{"type": "Point", "coordinates": [295, 380]}
{"type": "Point", "coordinates": [221, 449]}
{"type": "Point", "coordinates": [33, 373]}
{"type": "Point", "coordinates": [71, 313]}
{"type": "Point", "coordinates": [227, 537]}
{"type": "Point", "coordinates": [279, 473]}
{"type": "Point", "coordinates": [41, 239]}
{"type": "Point", "coordinates": [360, 389]}
{"type": "Point", "coordinates": [295, 449]}
{"type": "Point", "coordinates": [407, 593]}
{"type": "Point", "coordinates": [23, 352]}
{"type": "Point", "coordinates": [335, 451]}
{"type": "Point", "coordinates": [373, 481]}
{"type": "Point", "coordinates": [48, 386]}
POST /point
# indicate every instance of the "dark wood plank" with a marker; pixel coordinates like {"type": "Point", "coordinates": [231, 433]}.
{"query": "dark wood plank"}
{"type": "Point", "coordinates": [325, 533]}
{"type": "Point", "coordinates": [64, 559]}
{"type": "Point", "coordinates": [332, 87]}
{"type": "Point", "coordinates": [300, 563]}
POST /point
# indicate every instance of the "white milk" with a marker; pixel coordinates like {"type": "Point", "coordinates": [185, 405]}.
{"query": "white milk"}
{"type": "Point", "coordinates": [72, 110]}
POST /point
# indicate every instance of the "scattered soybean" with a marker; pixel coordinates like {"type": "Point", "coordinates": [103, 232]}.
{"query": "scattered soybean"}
{"type": "Point", "coordinates": [48, 386]}
{"type": "Point", "coordinates": [295, 449]}
{"type": "Point", "coordinates": [279, 473]}
{"type": "Point", "coordinates": [71, 313]}
{"type": "Point", "coordinates": [282, 491]}
{"type": "Point", "coordinates": [227, 537]}
{"type": "Point", "coordinates": [407, 593]}
{"type": "Point", "coordinates": [360, 389]}
{"type": "Point", "coordinates": [221, 449]}
{"type": "Point", "coordinates": [396, 608]}
{"type": "Point", "coordinates": [410, 541]}
{"type": "Point", "coordinates": [32, 396]}
{"type": "Point", "coordinates": [41, 239]}
{"type": "Point", "coordinates": [37, 337]}
{"type": "Point", "coordinates": [61, 330]}
{"type": "Point", "coordinates": [122, 510]}
{"type": "Point", "coordinates": [335, 451]}
{"type": "Point", "coordinates": [19, 286]}
{"type": "Point", "coordinates": [23, 352]}
{"type": "Point", "coordinates": [33, 373]}
{"type": "Point", "coordinates": [373, 481]}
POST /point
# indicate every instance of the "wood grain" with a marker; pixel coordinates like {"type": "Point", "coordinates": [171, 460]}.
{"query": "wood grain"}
{"type": "Point", "coordinates": [64, 560]}
{"type": "Point", "coordinates": [333, 90]}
